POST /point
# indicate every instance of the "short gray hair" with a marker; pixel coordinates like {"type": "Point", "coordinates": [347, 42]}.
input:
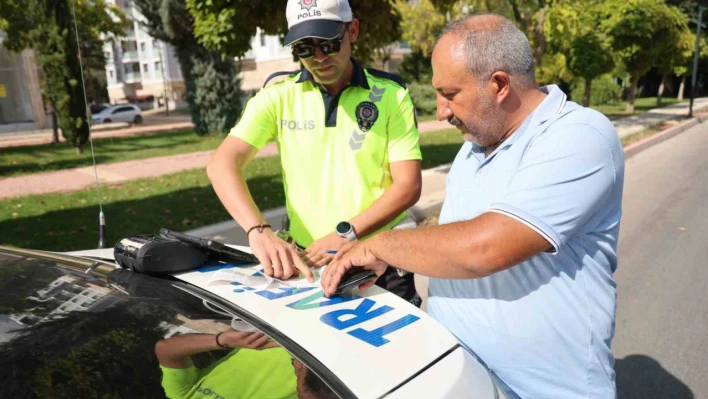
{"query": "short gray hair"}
{"type": "Point", "coordinates": [496, 46]}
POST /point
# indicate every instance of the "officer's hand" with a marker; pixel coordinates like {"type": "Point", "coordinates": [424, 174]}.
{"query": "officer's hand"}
{"type": "Point", "coordinates": [250, 340]}
{"type": "Point", "coordinates": [279, 259]}
{"type": "Point", "coordinates": [353, 254]}
{"type": "Point", "coordinates": [322, 251]}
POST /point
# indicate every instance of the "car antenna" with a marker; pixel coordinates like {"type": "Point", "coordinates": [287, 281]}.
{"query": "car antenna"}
{"type": "Point", "coordinates": [102, 234]}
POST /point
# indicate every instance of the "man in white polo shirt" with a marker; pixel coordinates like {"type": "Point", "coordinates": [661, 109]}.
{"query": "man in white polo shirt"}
{"type": "Point", "coordinates": [522, 265]}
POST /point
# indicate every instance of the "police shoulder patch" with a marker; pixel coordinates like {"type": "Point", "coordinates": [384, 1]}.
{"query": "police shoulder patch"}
{"type": "Point", "coordinates": [387, 75]}
{"type": "Point", "coordinates": [276, 74]}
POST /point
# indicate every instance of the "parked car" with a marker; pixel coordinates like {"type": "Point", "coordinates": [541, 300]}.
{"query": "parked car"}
{"type": "Point", "coordinates": [96, 108]}
{"type": "Point", "coordinates": [129, 113]}
{"type": "Point", "coordinates": [76, 325]}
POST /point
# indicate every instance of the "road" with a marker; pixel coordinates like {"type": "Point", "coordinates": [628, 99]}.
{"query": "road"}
{"type": "Point", "coordinates": [661, 334]}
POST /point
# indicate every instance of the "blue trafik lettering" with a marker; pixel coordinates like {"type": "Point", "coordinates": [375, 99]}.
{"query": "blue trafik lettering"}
{"type": "Point", "coordinates": [342, 319]}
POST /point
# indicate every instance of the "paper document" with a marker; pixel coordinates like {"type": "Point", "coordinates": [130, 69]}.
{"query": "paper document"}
{"type": "Point", "coordinates": [254, 276]}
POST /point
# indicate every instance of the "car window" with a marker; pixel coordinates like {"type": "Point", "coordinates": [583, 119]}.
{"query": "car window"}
{"type": "Point", "coordinates": [97, 108]}
{"type": "Point", "coordinates": [117, 334]}
{"type": "Point", "coordinates": [122, 109]}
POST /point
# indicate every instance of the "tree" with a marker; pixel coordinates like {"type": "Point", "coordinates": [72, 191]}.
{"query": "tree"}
{"type": "Point", "coordinates": [689, 8]}
{"type": "Point", "coordinates": [416, 67]}
{"type": "Point", "coordinates": [528, 15]}
{"type": "Point", "coordinates": [202, 69]}
{"type": "Point", "coordinates": [589, 59]}
{"type": "Point", "coordinates": [640, 31]}
{"type": "Point", "coordinates": [217, 94]}
{"type": "Point", "coordinates": [227, 26]}
{"type": "Point", "coordinates": [675, 60]}
{"type": "Point", "coordinates": [48, 27]}
{"type": "Point", "coordinates": [572, 29]}
{"type": "Point", "coordinates": [553, 69]}
{"type": "Point", "coordinates": [684, 69]}
{"type": "Point", "coordinates": [106, 354]}
{"type": "Point", "coordinates": [420, 25]}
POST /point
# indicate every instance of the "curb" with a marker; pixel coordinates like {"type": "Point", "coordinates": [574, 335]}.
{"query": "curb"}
{"type": "Point", "coordinates": [635, 148]}
{"type": "Point", "coordinates": [430, 204]}
{"type": "Point", "coordinates": [40, 139]}
{"type": "Point", "coordinates": [232, 233]}
{"type": "Point", "coordinates": [271, 215]}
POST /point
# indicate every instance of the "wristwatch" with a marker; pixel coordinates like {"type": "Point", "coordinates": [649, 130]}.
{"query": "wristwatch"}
{"type": "Point", "coordinates": [346, 230]}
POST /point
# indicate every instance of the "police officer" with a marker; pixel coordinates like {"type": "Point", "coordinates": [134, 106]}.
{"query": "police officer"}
{"type": "Point", "coordinates": [348, 143]}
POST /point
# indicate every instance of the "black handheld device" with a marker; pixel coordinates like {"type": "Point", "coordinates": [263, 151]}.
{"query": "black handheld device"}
{"type": "Point", "coordinates": [215, 250]}
{"type": "Point", "coordinates": [352, 279]}
{"type": "Point", "coordinates": [151, 254]}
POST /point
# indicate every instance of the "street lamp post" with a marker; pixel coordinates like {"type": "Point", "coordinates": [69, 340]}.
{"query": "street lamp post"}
{"type": "Point", "coordinates": [701, 5]}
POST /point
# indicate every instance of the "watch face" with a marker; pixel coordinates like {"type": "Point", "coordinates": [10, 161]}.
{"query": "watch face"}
{"type": "Point", "coordinates": [343, 227]}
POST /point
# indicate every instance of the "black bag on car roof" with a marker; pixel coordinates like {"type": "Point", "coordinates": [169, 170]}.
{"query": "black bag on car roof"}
{"type": "Point", "coordinates": [156, 255]}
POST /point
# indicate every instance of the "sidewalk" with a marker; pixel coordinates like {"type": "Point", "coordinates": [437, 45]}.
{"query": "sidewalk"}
{"type": "Point", "coordinates": [152, 125]}
{"type": "Point", "coordinates": [121, 172]}
{"type": "Point", "coordinates": [635, 124]}
{"type": "Point", "coordinates": [114, 173]}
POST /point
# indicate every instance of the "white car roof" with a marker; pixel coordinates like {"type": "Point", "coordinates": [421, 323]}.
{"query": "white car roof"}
{"type": "Point", "coordinates": [111, 108]}
{"type": "Point", "coordinates": [374, 342]}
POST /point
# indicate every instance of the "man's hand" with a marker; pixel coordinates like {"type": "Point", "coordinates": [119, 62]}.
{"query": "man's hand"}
{"type": "Point", "coordinates": [249, 340]}
{"type": "Point", "coordinates": [353, 254]}
{"type": "Point", "coordinates": [322, 251]}
{"type": "Point", "coordinates": [279, 259]}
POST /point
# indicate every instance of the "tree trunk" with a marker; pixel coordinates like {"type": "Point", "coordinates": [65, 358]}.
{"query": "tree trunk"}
{"type": "Point", "coordinates": [540, 37]}
{"type": "Point", "coordinates": [681, 87]}
{"type": "Point", "coordinates": [664, 77]}
{"type": "Point", "coordinates": [55, 124]}
{"type": "Point", "coordinates": [588, 88]}
{"type": "Point", "coordinates": [632, 92]}
{"type": "Point", "coordinates": [78, 121]}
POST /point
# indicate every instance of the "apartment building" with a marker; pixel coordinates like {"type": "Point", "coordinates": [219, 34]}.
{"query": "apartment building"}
{"type": "Point", "coordinates": [21, 104]}
{"type": "Point", "coordinates": [63, 295]}
{"type": "Point", "coordinates": [268, 55]}
{"type": "Point", "coordinates": [141, 69]}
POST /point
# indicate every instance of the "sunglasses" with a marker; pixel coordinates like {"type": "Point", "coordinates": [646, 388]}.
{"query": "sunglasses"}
{"type": "Point", "coordinates": [306, 49]}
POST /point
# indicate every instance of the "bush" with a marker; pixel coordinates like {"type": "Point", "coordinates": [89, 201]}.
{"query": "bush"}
{"type": "Point", "coordinates": [424, 98]}
{"type": "Point", "coordinates": [415, 67]}
{"type": "Point", "coordinates": [217, 96]}
{"type": "Point", "coordinates": [604, 91]}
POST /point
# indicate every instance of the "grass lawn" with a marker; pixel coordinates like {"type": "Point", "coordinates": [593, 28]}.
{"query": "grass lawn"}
{"type": "Point", "coordinates": [16, 161]}
{"type": "Point", "coordinates": [425, 118]}
{"type": "Point", "coordinates": [615, 111]}
{"type": "Point", "coordinates": [182, 201]}
{"type": "Point", "coordinates": [47, 157]}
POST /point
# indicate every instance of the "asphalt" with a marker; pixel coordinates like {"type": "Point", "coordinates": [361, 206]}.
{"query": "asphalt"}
{"type": "Point", "coordinates": [662, 280]}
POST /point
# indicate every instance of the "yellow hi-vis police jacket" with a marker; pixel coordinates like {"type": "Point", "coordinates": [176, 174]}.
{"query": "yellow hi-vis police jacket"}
{"type": "Point", "coordinates": [336, 150]}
